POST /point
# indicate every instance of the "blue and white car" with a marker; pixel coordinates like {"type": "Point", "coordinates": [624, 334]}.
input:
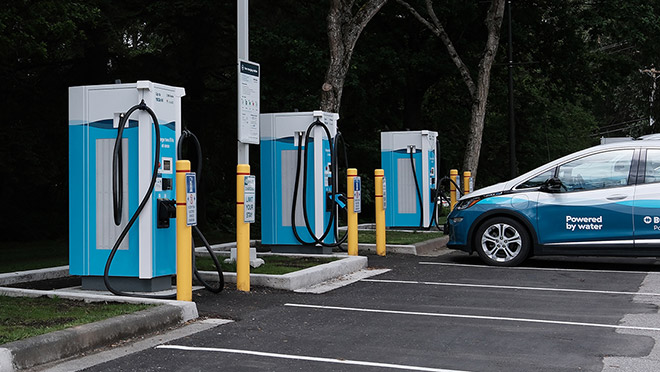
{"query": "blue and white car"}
{"type": "Point", "coordinates": [604, 200]}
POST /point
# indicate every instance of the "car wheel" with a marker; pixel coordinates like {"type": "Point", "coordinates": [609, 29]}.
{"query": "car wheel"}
{"type": "Point", "coordinates": [502, 241]}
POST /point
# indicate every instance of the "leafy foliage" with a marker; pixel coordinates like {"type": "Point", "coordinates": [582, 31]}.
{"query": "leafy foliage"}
{"type": "Point", "coordinates": [576, 78]}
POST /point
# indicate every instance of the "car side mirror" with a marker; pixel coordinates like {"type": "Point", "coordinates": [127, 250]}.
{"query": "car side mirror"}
{"type": "Point", "coordinates": [552, 185]}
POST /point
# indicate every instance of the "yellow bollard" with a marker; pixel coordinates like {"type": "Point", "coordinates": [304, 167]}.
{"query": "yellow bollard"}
{"type": "Point", "coordinates": [242, 232]}
{"type": "Point", "coordinates": [352, 216]}
{"type": "Point", "coordinates": [379, 176]}
{"type": "Point", "coordinates": [467, 177]}
{"type": "Point", "coordinates": [453, 175]}
{"type": "Point", "coordinates": [183, 236]}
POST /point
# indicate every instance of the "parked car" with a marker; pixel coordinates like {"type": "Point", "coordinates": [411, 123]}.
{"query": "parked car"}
{"type": "Point", "coordinates": [602, 201]}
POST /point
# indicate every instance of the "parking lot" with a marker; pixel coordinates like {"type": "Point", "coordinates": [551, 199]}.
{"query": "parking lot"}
{"type": "Point", "coordinates": [434, 314]}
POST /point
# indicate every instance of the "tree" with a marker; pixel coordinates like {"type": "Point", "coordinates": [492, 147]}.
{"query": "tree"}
{"type": "Point", "coordinates": [344, 28]}
{"type": "Point", "coordinates": [478, 90]}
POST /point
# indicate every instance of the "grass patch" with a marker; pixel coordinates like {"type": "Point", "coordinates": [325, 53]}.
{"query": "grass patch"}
{"type": "Point", "coordinates": [274, 265]}
{"type": "Point", "coordinates": [398, 237]}
{"type": "Point", "coordinates": [24, 317]}
{"type": "Point", "coordinates": [20, 256]}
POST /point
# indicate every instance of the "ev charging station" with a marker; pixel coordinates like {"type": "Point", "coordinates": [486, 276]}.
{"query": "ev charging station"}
{"type": "Point", "coordinates": [146, 259]}
{"type": "Point", "coordinates": [410, 191]}
{"type": "Point", "coordinates": [283, 148]}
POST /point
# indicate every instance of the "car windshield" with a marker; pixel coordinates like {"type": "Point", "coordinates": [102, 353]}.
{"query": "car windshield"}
{"type": "Point", "coordinates": [537, 180]}
{"type": "Point", "coordinates": [597, 171]}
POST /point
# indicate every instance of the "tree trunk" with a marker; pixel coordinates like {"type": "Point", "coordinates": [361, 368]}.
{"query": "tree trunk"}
{"type": "Point", "coordinates": [344, 29]}
{"type": "Point", "coordinates": [480, 98]}
{"type": "Point", "coordinates": [479, 91]}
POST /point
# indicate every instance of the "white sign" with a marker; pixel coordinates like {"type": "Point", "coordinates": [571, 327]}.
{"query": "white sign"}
{"type": "Point", "coordinates": [191, 199]}
{"type": "Point", "coordinates": [248, 102]}
{"type": "Point", "coordinates": [357, 195]}
{"type": "Point", "coordinates": [384, 194]}
{"type": "Point", "coordinates": [249, 192]}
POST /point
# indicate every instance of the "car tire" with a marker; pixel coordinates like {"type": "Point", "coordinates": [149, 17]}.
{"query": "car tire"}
{"type": "Point", "coordinates": [502, 241]}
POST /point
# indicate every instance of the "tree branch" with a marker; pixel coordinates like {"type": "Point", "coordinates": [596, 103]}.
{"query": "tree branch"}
{"type": "Point", "coordinates": [437, 28]}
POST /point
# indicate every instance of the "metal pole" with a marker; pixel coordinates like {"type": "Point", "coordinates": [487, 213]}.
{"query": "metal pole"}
{"type": "Point", "coordinates": [467, 182]}
{"type": "Point", "coordinates": [453, 174]}
{"type": "Point", "coordinates": [242, 232]}
{"type": "Point", "coordinates": [183, 236]}
{"type": "Point", "coordinates": [352, 216]}
{"type": "Point", "coordinates": [243, 46]}
{"type": "Point", "coordinates": [513, 162]}
{"type": "Point", "coordinates": [379, 176]}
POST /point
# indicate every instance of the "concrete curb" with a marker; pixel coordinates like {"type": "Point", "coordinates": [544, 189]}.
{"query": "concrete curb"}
{"type": "Point", "coordinates": [414, 249]}
{"type": "Point", "coordinates": [33, 275]}
{"type": "Point", "coordinates": [69, 342]}
{"type": "Point", "coordinates": [431, 245]}
{"type": "Point", "coordinates": [301, 278]}
{"type": "Point", "coordinates": [389, 248]}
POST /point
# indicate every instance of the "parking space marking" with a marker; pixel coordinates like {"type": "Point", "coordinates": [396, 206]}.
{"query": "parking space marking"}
{"type": "Point", "coordinates": [307, 358]}
{"type": "Point", "coordinates": [479, 317]}
{"type": "Point", "coordinates": [510, 287]}
{"type": "Point", "coordinates": [539, 268]}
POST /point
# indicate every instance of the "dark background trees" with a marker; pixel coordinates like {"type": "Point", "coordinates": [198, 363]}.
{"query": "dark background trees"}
{"type": "Point", "coordinates": [576, 78]}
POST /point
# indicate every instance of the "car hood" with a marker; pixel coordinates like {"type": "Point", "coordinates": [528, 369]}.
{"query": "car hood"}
{"type": "Point", "coordinates": [499, 187]}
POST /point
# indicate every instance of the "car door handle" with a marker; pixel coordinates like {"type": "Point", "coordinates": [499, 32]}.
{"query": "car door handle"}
{"type": "Point", "coordinates": [617, 197]}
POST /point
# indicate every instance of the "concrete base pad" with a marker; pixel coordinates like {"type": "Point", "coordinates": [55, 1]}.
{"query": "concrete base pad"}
{"type": "Point", "coordinates": [128, 284]}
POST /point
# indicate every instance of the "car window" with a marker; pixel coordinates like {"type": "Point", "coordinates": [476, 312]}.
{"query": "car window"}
{"type": "Point", "coordinates": [598, 171]}
{"type": "Point", "coordinates": [652, 172]}
{"type": "Point", "coordinates": [537, 180]}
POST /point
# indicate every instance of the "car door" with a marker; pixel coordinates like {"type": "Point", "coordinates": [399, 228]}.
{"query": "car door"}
{"type": "Point", "coordinates": [593, 209]}
{"type": "Point", "coordinates": [646, 208]}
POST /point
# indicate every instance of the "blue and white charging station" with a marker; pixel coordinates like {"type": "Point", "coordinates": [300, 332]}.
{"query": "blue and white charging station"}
{"type": "Point", "coordinates": [146, 259]}
{"type": "Point", "coordinates": [281, 135]}
{"type": "Point", "coordinates": [410, 192]}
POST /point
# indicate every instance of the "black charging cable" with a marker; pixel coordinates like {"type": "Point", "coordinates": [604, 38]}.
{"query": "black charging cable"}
{"type": "Point", "coordinates": [117, 191]}
{"type": "Point", "coordinates": [334, 193]}
{"type": "Point", "coordinates": [198, 171]}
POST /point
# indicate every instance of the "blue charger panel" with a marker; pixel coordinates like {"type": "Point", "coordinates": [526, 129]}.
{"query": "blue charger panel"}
{"type": "Point", "coordinates": [278, 171]}
{"type": "Point", "coordinates": [87, 254]}
{"type": "Point", "coordinates": [403, 193]}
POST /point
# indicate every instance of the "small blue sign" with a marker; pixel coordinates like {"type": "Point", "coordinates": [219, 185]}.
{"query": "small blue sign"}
{"type": "Point", "coordinates": [357, 195]}
{"type": "Point", "coordinates": [191, 183]}
{"type": "Point", "coordinates": [191, 199]}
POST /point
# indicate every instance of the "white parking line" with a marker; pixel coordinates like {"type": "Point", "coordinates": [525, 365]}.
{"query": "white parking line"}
{"type": "Point", "coordinates": [307, 358]}
{"type": "Point", "coordinates": [539, 268]}
{"type": "Point", "coordinates": [480, 317]}
{"type": "Point", "coordinates": [511, 287]}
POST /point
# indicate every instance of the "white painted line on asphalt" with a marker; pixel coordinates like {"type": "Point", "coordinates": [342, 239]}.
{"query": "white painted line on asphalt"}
{"type": "Point", "coordinates": [539, 268]}
{"type": "Point", "coordinates": [307, 358]}
{"type": "Point", "coordinates": [511, 287]}
{"type": "Point", "coordinates": [480, 317]}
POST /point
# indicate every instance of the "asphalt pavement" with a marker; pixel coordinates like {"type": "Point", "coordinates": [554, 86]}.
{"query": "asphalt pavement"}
{"type": "Point", "coordinates": [442, 313]}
